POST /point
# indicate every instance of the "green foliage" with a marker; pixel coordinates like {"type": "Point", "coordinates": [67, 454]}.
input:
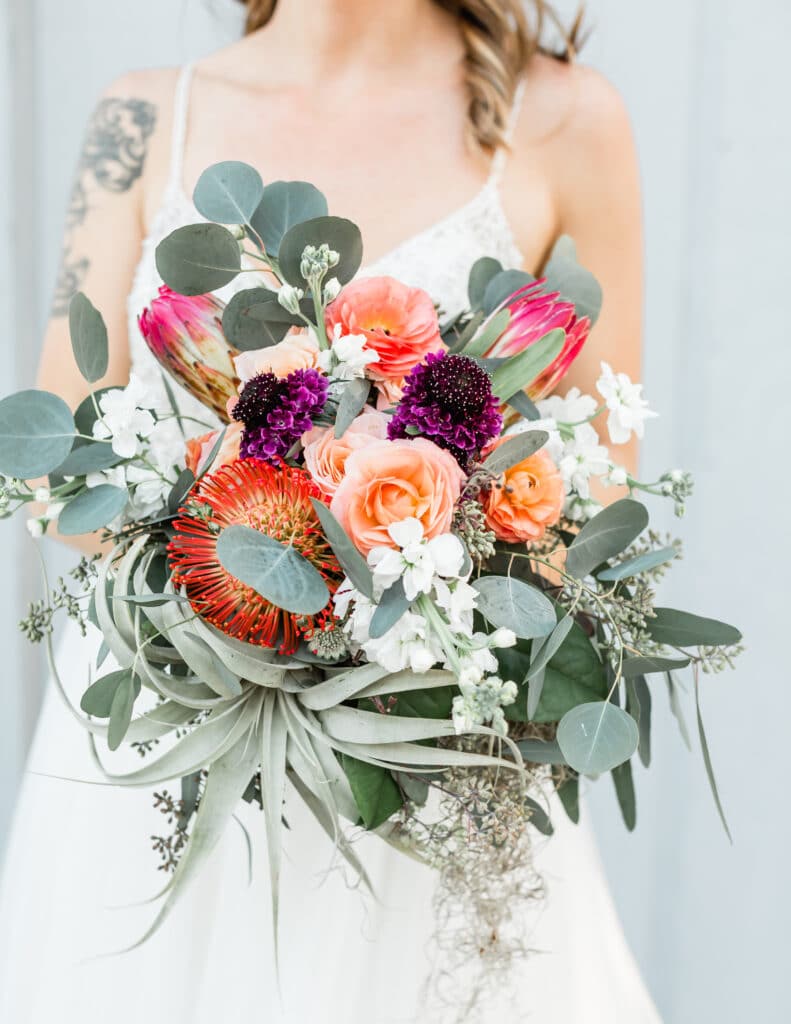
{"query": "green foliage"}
{"type": "Point", "coordinates": [88, 338]}
{"type": "Point", "coordinates": [351, 561]}
{"type": "Point", "coordinates": [519, 372]}
{"type": "Point", "coordinates": [92, 509]}
{"type": "Point", "coordinates": [569, 793]}
{"type": "Point", "coordinates": [682, 629]}
{"type": "Point", "coordinates": [228, 192]}
{"type": "Point", "coordinates": [88, 458]}
{"type": "Point", "coordinates": [502, 286]}
{"type": "Point", "coordinates": [482, 272]}
{"type": "Point", "coordinates": [576, 284]}
{"type": "Point", "coordinates": [284, 204]}
{"type": "Point", "coordinates": [511, 603]}
{"type": "Point", "coordinates": [597, 737]}
{"type": "Point", "coordinates": [199, 258]}
{"type": "Point", "coordinates": [624, 790]}
{"type": "Point", "coordinates": [392, 605]}
{"type": "Point", "coordinates": [339, 234]}
{"type": "Point", "coordinates": [375, 791]}
{"type": "Point", "coordinates": [606, 535]}
{"type": "Point", "coordinates": [515, 450]}
{"type": "Point", "coordinates": [635, 566]}
{"type": "Point", "coordinates": [353, 398]}
{"type": "Point", "coordinates": [278, 572]}
{"type": "Point", "coordinates": [36, 433]}
{"type": "Point", "coordinates": [254, 319]}
{"type": "Point", "coordinates": [113, 697]}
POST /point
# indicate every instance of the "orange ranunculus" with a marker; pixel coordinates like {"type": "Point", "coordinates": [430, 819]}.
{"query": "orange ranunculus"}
{"type": "Point", "coordinates": [399, 323]}
{"type": "Point", "coordinates": [297, 351]}
{"type": "Point", "coordinates": [527, 499]}
{"type": "Point", "coordinates": [326, 454]}
{"type": "Point", "coordinates": [200, 448]}
{"type": "Point", "coordinates": [389, 481]}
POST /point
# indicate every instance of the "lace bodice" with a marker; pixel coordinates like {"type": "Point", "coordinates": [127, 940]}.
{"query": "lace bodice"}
{"type": "Point", "coordinates": [437, 259]}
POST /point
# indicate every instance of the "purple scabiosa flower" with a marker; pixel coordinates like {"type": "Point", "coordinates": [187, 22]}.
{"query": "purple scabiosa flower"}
{"type": "Point", "coordinates": [449, 400]}
{"type": "Point", "coordinates": [276, 411]}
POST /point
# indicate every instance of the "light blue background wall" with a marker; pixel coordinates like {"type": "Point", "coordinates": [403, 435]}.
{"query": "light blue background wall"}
{"type": "Point", "coordinates": [707, 87]}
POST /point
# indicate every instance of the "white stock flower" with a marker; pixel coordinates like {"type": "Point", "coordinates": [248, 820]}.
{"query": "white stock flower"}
{"type": "Point", "coordinates": [407, 644]}
{"type": "Point", "coordinates": [35, 527]}
{"type": "Point", "coordinates": [347, 357]}
{"type": "Point", "coordinates": [42, 495]}
{"type": "Point", "coordinates": [617, 477]}
{"type": "Point", "coordinates": [574, 408]}
{"type": "Point", "coordinates": [457, 600]}
{"type": "Point", "coordinates": [124, 420]}
{"type": "Point", "coordinates": [628, 409]}
{"type": "Point", "coordinates": [581, 509]}
{"type": "Point", "coordinates": [166, 445]}
{"type": "Point", "coordinates": [583, 457]}
{"type": "Point", "coordinates": [417, 562]}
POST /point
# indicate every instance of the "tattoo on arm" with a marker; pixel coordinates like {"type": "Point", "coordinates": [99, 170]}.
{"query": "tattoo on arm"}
{"type": "Point", "coordinates": [112, 160]}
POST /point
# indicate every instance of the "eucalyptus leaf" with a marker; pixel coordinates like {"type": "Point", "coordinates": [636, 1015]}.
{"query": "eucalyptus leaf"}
{"type": "Point", "coordinates": [36, 433]}
{"type": "Point", "coordinates": [514, 450]}
{"type": "Point", "coordinates": [283, 205]}
{"type": "Point", "coordinates": [88, 338]}
{"type": "Point", "coordinates": [538, 817]}
{"type": "Point", "coordinates": [569, 793]}
{"type": "Point", "coordinates": [519, 372]}
{"type": "Point", "coordinates": [180, 490]}
{"type": "Point", "coordinates": [198, 258]}
{"type": "Point", "coordinates": [503, 286]}
{"type": "Point", "coordinates": [480, 344]}
{"type": "Point", "coordinates": [597, 737]}
{"type": "Point", "coordinates": [351, 561]}
{"type": "Point", "coordinates": [541, 654]}
{"type": "Point", "coordinates": [576, 284]}
{"type": "Point", "coordinates": [278, 572]}
{"type": "Point", "coordinates": [92, 509]}
{"type": "Point", "coordinates": [605, 536]}
{"type": "Point", "coordinates": [375, 791]}
{"type": "Point", "coordinates": [228, 192]}
{"type": "Point", "coordinates": [524, 406]}
{"type": "Point", "coordinates": [85, 415]}
{"type": "Point", "coordinates": [510, 603]}
{"type": "Point", "coordinates": [353, 398]}
{"type": "Point", "coordinates": [683, 629]}
{"type": "Point", "coordinates": [208, 462]}
{"type": "Point", "coordinates": [646, 664]}
{"type": "Point", "coordinates": [89, 458]}
{"type": "Point", "coordinates": [343, 236]}
{"type": "Point", "coordinates": [392, 606]}
{"type": "Point", "coordinates": [121, 711]}
{"type": "Point", "coordinates": [482, 272]}
{"type": "Point", "coordinates": [153, 600]}
{"type": "Point", "coordinates": [678, 711]}
{"type": "Point", "coordinates": [638, 704]}
{"type": "Point", "coordinates": [637, 565]}
{"type": "Point", "coordinates": [97, 700]}
{"type": "Point", "coordinates": [704, 746]}
{"type": "Point", "coordinates": [541, 751]}
{"type": "Point", "coordinates": [254, 319]}
{"type": "Point", "coordinates": [624, 790]}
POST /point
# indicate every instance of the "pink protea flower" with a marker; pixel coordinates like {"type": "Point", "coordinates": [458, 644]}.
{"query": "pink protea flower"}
{"type": "Point", "coordinates": [534, 313]}
{"type": "Point", "coordinates": [185, 334]}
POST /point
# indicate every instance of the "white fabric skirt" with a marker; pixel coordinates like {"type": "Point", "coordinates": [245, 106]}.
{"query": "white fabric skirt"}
{"type": "Point", "coordinates": [79, 866]}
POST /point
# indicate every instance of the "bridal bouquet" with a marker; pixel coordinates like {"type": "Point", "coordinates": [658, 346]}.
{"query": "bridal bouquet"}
{"type": "Point", "coordinates": [362, 555]}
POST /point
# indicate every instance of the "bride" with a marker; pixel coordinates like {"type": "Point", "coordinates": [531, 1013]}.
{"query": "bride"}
{"type": "Point", "coordinates": [447, 134]}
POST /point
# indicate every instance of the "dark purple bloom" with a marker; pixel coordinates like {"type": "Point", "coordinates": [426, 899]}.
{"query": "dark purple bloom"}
{"type": "Point", "coordinates": [449, 400]}
{"type": "Point", "coordinates": [276, 412]}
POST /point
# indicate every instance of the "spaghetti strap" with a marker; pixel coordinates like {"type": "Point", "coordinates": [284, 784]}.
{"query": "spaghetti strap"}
{"type": "Point", "coordinates": [500, 158]}
{"type": "Point", "coordinates": [181, 103]}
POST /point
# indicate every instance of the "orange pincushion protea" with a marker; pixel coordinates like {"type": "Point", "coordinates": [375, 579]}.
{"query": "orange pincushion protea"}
{"type": "Point", "coordinates": [274, 500]}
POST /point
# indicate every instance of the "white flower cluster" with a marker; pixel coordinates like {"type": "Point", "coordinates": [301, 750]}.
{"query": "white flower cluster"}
{"type": "Point", "coordinates": [574, 443]}
{"type": "Point", "coordinates": [154, 448]}
{"type": "Point", "coordinates": [347, 357]}
{"type": "Point", "coordinates": [438, 629]}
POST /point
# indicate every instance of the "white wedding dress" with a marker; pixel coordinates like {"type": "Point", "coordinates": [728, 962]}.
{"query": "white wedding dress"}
{"type": "Point", "coordinates": [79, 862]}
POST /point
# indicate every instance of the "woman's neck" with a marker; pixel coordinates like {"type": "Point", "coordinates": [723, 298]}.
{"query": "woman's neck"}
{"type": "Point", "coordinates": [347, 38]}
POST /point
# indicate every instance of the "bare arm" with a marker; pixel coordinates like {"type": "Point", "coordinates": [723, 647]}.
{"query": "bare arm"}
{"type": "Point", "coordinates": [102, 239]}
{"type": "Point", "coordinates": [598, 203]}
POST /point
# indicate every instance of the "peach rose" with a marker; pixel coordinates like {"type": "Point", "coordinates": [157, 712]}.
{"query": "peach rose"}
{"type": "Point", "coordinates": [399, 323]}
{"type": "Point", "coordinates": [326, 454]}
{"type": "Point", "coordinates": [389, 481]}
{"type": "Point", "coordinates": [200, 448]}
{"type": "Point", "coordinates": [527, 499]}
{"type": "Point", "coordinates": [297, 351]}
